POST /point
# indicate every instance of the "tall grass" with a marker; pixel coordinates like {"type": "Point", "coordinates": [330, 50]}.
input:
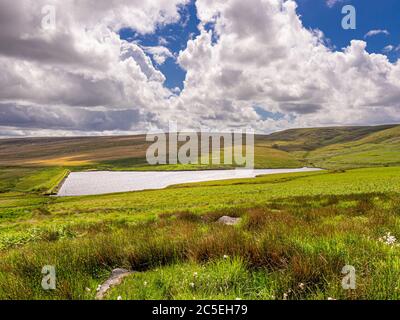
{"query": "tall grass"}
{"type": "Point", "coordinates": [303, 241]}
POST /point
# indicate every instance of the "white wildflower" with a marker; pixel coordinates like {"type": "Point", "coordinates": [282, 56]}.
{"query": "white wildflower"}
{"type": "Point", "coordinates": [119, 298]}
{"type": "Point", "coordinates": [388, 239]}
{"type": "Point", "coordinates": [98, 288]}
{"type": "Point", "coordinates": [191, 284]}
{"type": "Point", "coordinates": [225, 256]}
{"type": "Point", "coordinates": [195, 274]}
{"type": "Point", "coordinates": [302, 286]}
{"type": "Point", "coordinates": [285, 296]}
{"type": "Point", "coordinates": [145, 283]}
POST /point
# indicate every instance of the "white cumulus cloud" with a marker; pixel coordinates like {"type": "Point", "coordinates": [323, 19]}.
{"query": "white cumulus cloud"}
{"type": "Point", "coordinates": [264, 56]}
{"type": "Point", "coordinates": [376, 32]}
{"type": "Point", "coordinates": [256, 59]}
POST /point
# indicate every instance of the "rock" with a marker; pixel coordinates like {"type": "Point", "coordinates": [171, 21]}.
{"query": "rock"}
{"type": "Point", "coordinates": [230, 221]}
{"type": "Point", "coordinates": [117, 275]}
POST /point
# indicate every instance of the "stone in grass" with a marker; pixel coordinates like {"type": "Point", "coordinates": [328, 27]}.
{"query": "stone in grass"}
{"type": "Point", "coordinates": [117, 275]}
{"type": "Point", "coordinates": [230, 221]}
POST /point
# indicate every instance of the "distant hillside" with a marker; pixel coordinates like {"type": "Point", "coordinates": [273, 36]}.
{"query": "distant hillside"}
{"type": "Point", "coordinates": [313, 138]}
{"type": "Point", "coordinates": [333, 147]}
{"type": "Point", "coordinates": [376, 149]}
{"type": "Point", "coordinates": [70, 151]}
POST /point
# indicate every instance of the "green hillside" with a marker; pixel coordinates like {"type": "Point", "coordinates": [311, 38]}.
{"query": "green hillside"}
{"type": "Point", "coordinates": [313, 138]}
{"type": "Point", "coordinates": [377, 149]}
{"type": "Point", "coordinates": [331, 147]}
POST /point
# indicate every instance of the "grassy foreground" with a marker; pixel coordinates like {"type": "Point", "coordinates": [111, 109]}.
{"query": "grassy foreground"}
{"type": "Point", "coordinates": [297, 233]}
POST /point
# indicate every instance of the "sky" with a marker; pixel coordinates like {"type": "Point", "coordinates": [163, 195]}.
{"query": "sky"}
{"type": "Point", "coordinates": [130, 66]}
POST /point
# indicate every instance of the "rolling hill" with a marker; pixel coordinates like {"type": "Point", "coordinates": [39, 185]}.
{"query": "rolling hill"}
{"type": "Point", "coordinates": [331, 147]}
{"type": "Point", "coordinates": [376, 149]}
{"type": "Point", "coordinates": [314, 138]}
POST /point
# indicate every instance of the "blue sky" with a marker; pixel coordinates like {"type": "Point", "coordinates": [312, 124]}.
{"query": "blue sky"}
{"type": "Point", "coordinates": [176, 36]}
{"type": "Point", "coordinates": [371, 15]}
{"type": "Point", "coordinates": [315, 14]}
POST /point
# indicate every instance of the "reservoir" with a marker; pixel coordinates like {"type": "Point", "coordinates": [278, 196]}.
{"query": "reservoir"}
{"type": "Point", "coordinates": [104, 182]}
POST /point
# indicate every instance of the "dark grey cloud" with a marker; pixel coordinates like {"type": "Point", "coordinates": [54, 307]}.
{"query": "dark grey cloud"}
{"type": "Point", "coordinates": [73, 90]}
{"type": "Point", "coordinates": [64, 118]}
{"type": "Point", "coordinates": [59, 50]}
{"type": "Point", "coordinates": [300, 108]}
{"type": "Point", "coordinates": [230, 77]}
{"type": "Point", "coordinates": [20, 37]}
{"type": "Point", "coordinates": [89, 93]}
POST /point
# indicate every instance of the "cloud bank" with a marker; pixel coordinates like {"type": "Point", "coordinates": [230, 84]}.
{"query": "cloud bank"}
{"type": "Point", "coordinates": [82, 78]}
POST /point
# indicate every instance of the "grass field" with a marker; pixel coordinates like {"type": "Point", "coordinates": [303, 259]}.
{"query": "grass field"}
{"type": "Point", "coordinates": [296, 229]}
{"type": "Point", "coordinates": [296, 234]}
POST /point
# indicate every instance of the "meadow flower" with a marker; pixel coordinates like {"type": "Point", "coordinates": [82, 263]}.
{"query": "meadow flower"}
{"type": "Point", "coordinates": [145, 283]}
{"type": "Point", "coordinates": [98, 287]}
{"type": "Point", "coordinates": [119, 298]}
{"type": "Point", "coordinates": [191, 285]}
{"type": "Point", "coordinates": [285, 296]}
{"type": "Point", "coordinates": [225, 256]}
{"type": "Point", "coordinates": [388, 239]}
{"type": "Point", "coordinates": [302, 286]}
{"type": "Point", "coordinates": [195, 274]}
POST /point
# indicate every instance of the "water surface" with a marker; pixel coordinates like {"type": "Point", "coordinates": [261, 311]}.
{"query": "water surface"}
{"type": "Point", "coordinates": [103, 182]}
